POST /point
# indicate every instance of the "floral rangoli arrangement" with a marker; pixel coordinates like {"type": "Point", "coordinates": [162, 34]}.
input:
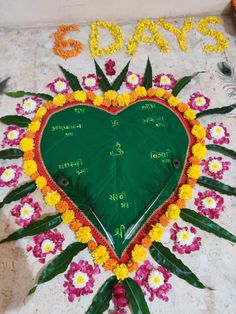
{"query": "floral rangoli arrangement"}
{"type": "Point", "coordinates": [110, 165]}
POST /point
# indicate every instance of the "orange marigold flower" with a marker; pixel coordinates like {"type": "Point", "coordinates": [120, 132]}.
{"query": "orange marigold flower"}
{"type": "Point", "coordinates": [132, 266]}
{"type": "Point", "coordinates": [34, 176]}
{"type": "Point", "coordinates": [30, 134]}
{"type": "Point", "coordinates": [194, 122]}
{"type": "Point", "coordinates": [110, 264]}
{"type": "Point", "coordinates": [75, 225]}
{"type": "Point", "coordinates": [90, 95]}
{"type": "Point", "coordinates": [167, 95]}
{"type": "Point", "coordinates": [194, 160]}
{"type": "Point", "coordinates": [151, 92]}
{"type": "Point", "coordinates": [133, 97]}
{"type": "Point", "coordinates": [180, 203]}
{"type": "Point", "coordinates": [46, 189]}
{"type": "Point", "coordinates": [164, 220]}
{"type": "Point", "coordinates": [62, 206]}
{"type": "Point", "coordinates": [182, 107]}
{"type": "Point", "coordinates": [106, 102]}
{"type": "Point", "coordinates": [92, 245]}
{"type": "Point", "coordinates": [146, 242]}
{"type": "Point", "coordinates": [192, 182]}
{"type": "Point", "coordinates": [49, 104]}
{"type": "Point", "coordinates": [70, 97]}
{"type": "Point", "coordinates": [29, 155]}
{"type": "Point", "coordinates": [114, 102]}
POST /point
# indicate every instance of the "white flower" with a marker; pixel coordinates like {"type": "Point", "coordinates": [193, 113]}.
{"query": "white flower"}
{"type": "Point", "coordinates": [26, 211]}
{"type": "Point", "coordinates": [200, 101]}
{"type": "Point", "coordinates": [60, 86]}
{"type": "Point", "coordinates": [209, 202]}
{"type": "Point", "coordinates": [215, 166]}
{"type": "Point", "coordinates": [80, 279]}
{"type": "Point", "coordinates": [29, 105]}
{"type": "Point", "coordinates": [133, 79]}
{"type": "Point", "coordinates": [165, 80]}
{"type": "Point", "coordinates": [12, 135]}
{"type": "Point", "coordinates": [47, 246]}
{"type": "Point", "coordinates": [8, 175]}
{"type": "Point", "coordinates": [155, 279]}
{"type": "Point", "coordinates": [217, 132]}
{"type": "Point", "coordinates": [185, 237]}
{"type": "Point", "coordinates": [90, 81]}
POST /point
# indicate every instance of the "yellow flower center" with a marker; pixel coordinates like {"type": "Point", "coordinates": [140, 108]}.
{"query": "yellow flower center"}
{"type": "Point", "coordinates": [165, 80]}
{"type": "Point", "coordinates": [200, 101]}
{"type": "Point", "coordinates": [80, 279]}
{"type": "Point", "coordinates": [215, 166]}
{"type": "Point", "coordinates": [13, 135]}
{"type": "Point", "coordinates": [47, 246]}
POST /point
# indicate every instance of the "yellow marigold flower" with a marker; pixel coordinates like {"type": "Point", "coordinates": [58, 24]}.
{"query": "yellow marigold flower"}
{"type": "Point", "coordinates": [29, 167]}
{"type": "Point", "coordinates": [59, 100]}
{"type": "Point", "coordinates": [84, 234]}
{"type": "Point", "coordinates": [110, 95]}
{"type": "Point", "coordinates": [190, 114]}
{"type": "Point", "coordinates": [79, 95]}
{"type": "Point", "coordinates": [41, 112]}
{"type": "Point", "coordinates": [68, 216]}
{"type": "Point", "coordinates": [185, 192]}
{"type": "Point", "coordinates": [98, 100]}
{"type": "Point", "coordinates": [199, 151]}
{"type": "Point", "coordinates": [100, 255]}
{"type": "Point", "coordinates": [194, 172]}
{"type": "Point", "coordinates": [121, 271]}
{"type": "Point", "coordinates": [160, 93]}
{"type": "Point", "coordinates": [173, 211]}
{"type": "Point", "coordinates": [34, 126]}
{"type": "Point", "coordinates": [139, 254]}
{"type": "Point", "coordinates": [140, 91]}
{"type": "Point", "coordinates": [123, 99]}
{"type": "Point", "coordinates": [198, 131]}
{"type": "Point", "coordinates": [41, 182]}
{"type": "Point", "coordinates": [52, 198]}
{"type": "Point", "coordinates": [156, 232]}
{"type": "Point", "coordinates": [26, 144]}
{"type": "Point", "coordinates": [173, 101]}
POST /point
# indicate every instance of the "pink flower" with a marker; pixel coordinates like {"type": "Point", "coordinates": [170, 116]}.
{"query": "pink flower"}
{"type": "Point", "coordinates": [217, 133]}
{"type": "Point", "coordinates": [133, 80]}
{"type": "Point", "coordinates": [215, 167]}
{"type": "Point", "coordinates": [185, 240]}
{"type": "Point", "coordinates": [80, 279]}
{"type": "Point", "coordinates": [12, 136]}
{"type": "Point", "coordinates": [153, 280]}
{"type": "Point", "coordinates": [26, 212]}
{"type": "Point", "coordinates": [198, 101]}
{"type": "Point", "coordinates": [9, 175]}
{"type": "Point", "coordinates": [165, 81]}
{"type": "Point", "coordinates": [91, 82]}
{"type": "Point", "coordinates": [109, 66]}
{"type": "Point", "coordinates": [29, 105]}
{"type": "Point", "coordinates": [59, 86]}
{"type": "Point", "coordinates": [119, 298]}
{"type": "Point", "coordinates": [210, 204]}
{"type": "Point", "coordinates": [46, 243]}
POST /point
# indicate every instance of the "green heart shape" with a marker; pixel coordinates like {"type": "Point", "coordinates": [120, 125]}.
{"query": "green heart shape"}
{"type": "Point", "coordinates": [117, 168]}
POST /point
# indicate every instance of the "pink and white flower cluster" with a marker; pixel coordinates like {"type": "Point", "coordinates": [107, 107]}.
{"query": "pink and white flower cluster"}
{"type": "Point", "coordinates": [59, 86]}
{"type": "Point", "coordinates": [165, 81]}
{"type": "Point", "coordinates": [26, 212]}
{"type": "Point", "coordinates": [91, 82]}
{"type": "Point", "coordinates": [210, 204]}
{"type": "Point", "coordinates": [217, 133]}
{"type": "Point", "coordinates": [80, 279]}
{"type": "Point", "coordinates": [198, 101]}
{"type": "Point", "coordinates": [12, 136]}
{"type": "Point", "coordinates": [215, 167]}
{"type": "Point", "coordinates": [29, 105]}
{"type": "Point", "coordinates": [185, 239]}
{"type": "Point", "coordinates": [9, 175]}
{"type": "Point", "coordinates": [46, 243]}
{"type": "Point", "coordinates": [153, 280]}
{"type": "Point", "coordinates": [133, 80]}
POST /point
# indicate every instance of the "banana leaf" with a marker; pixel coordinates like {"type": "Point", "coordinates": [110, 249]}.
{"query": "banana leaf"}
{"type": "Point", "coordinates": [21, 93]}
{"type": "Point", "coordinates": [147, 78]}
{"type": "Point", "coordinates": [182, 82]}
{"type": "Point", "coordinates": [221, 110]}
{"type": "Point", "coordinates": [223, 150]}
{"type": "Point", "coordinates": [216, 185]}
{"type": "Point", "coordinates": [72, 79]}
{"type": "Point", "coordinates": [15, 120]}
{"type": "Point", "coordinates": [116, 85]}
{"type": "Point", "coordinates": [11, 153]}
{"type": "Point", "coordinates": [104, 84]}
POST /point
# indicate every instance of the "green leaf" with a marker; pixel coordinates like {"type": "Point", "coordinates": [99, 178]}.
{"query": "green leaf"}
{"type": "Point", "coordinates": [120, 78]}
{"type": "Point", "coordinates": [135, 296]}
{"type": "Point", "coordinates": [21, 93]}
{"type": "Point", "coordinates": [163, 256]}
{"type": "Point", "coordinates": [223, 150]}
{"type": "Point", "coordinates": [181, 83]}
{"type": "Point", "coordinates": [11, 153]}
{"type": "Point", "coordinates": [206, 224]}
{"type": "Point", "coordinates": [216, 185]}
{"type": "Point", "coordinates": [18, 193]}
{"type": "Point", "coordinates": [59, 264]}
{"type": "Point", "coordinates": [15, 120]}
{"type": "Point", "coordinates": [221, 110]}
{"type": "Point", "coordinates": [147, 78]}
{"type": "Point", "coordinates": [101, 300]}
{"type": "Point", "coordinates": [34, 228]}
{"type": "Point", "coordinates": [3, 85]}
{"type": "Point", "coordinates": [73, 80]}
{"type": "Point", "coordinates": [104, 84]}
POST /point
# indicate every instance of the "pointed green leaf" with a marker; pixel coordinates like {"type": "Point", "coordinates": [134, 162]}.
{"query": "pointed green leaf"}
{"type": "Point", "coordinates": [135, 296]}
{"type": "Point", "coordinates": [34, 228]}
{"type": "Point", "coordinates": [182, 82]}
{"type": "Point", "coordinates": [223, 150]}
{"type": "Point", "coordinates": [163, 256]}
{"type": "Point", "coordinates": [15, 120]}
{"type": "Point", "coordinates": [72, 79]}
{"type": "Point", "coordinates": [21, 93]}
{"type": "Point", "coordinates": [216, 185]}
{"type": "Point", "coordinates": [206, 224]}
{"type": "Point", "coordinates": [3, 85]}
{"type": "Point", "coordinates": [18, 193]}
{"type": "Point", "coordinates": [104, 84]}
{"type": "Point", "coordinates": [120, 78]}
{"type": "Point", "coordinates": [101, 300]}
{"type": "Point", "coordinates": [221, 110]}
{"type": "Point", "coordinates": [59, 264]}
{"type": "Point", "coordinates": [11, 153]}
{"type": "Point", "coordinates": [147, 78]}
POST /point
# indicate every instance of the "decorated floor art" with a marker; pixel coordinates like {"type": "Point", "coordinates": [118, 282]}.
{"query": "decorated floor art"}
{"type": "Point", "coordinates": [118, 156]}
